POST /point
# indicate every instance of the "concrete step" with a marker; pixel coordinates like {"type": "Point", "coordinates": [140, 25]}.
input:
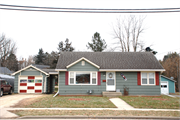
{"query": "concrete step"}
{"type": "Point", "coordinates": [111, 94]}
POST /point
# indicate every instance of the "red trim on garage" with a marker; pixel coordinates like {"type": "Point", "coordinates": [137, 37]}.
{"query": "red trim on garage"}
{"type": "Point", "coordinates": [38, 91]}
{"type": "Point", "coordinates": [31, 77]}
{"type": "Point", "coordinates": [138, 78]}
{"type": "Point", "coordinates": [38, 84]}
{"type": "Point", "coordinates": [23, 91]}
{"type": "Point", "coordinates": [30, 87]}
{"type": "Point", "coordinates": [23, 84]}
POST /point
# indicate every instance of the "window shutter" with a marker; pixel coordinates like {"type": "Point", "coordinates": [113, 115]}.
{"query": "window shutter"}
{"type": "Point", "coordinates": [99, 78]}
{"type": "Point", "coordinates": [157, 78]}
{"type": "Point", "coordinates": [66, 78]}
{"type": "Point", "coordinates": [138, 78]}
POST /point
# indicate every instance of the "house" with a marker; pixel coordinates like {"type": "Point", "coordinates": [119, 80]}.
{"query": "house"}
{"type": "Point", "coordinates": [5, 71]}
{"type": "Point", "coordinates": [34, 80]}
{"type": "Point", "coordinates": [83, 73]}
{"type": "Point", "coordinates": [92, 73]}
{"type": "Point", "coordinates": [167, 85]}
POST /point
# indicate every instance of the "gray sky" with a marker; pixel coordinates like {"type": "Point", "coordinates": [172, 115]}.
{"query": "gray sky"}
{"type": "Point", "coordinates": [34, 30]}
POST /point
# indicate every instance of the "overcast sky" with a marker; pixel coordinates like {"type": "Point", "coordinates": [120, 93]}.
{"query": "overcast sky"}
{"type": "Point", "coordinates": [34, 30]}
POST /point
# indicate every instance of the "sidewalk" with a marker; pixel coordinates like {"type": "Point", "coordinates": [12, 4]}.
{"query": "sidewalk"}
{"type": "Point", "coordinates": [121, 105]}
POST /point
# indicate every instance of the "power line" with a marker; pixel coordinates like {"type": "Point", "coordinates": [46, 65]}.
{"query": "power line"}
{"type": "Point", "coordinates": [88, 10]}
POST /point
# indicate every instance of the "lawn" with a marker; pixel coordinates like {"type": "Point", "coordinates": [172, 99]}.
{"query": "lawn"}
{"type": "Point", "coordinates": [48, 101]}
{"type": "Point", "coordinates": [95, 113]}
{"type": "Point", "coordinates": [157, 102]}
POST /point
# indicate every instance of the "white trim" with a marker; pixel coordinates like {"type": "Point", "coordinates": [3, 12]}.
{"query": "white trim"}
{"type": "Point", "coordinates": [131, 70]}
{"type": "Point", "coordinates": [90, 72]}
{"type": "Point", "coordinates": [148, 78]}
{"type": "Point", "coordinates": [29, 67]}
{"type": "Point", "coordinates": [53, 72]}
{"type": "Point", "coordinates": [80, 60]}
{"type": "Point", "coordinates": [60, 69]}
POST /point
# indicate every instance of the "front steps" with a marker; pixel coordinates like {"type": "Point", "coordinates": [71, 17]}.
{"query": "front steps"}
{"type": "Point", "coordinates": [111, 94]}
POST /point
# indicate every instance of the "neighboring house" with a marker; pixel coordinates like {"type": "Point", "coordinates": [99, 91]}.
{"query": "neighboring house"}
{"type": "Point", "coordinates": [34, 80]}
{"type": "Point", "coordinates": [91, 73]}
{"type": "Point", "coordinates": [22, 64]}
{"type": "Point", "coordinates": [83, 73]}
{"type": "Point", "coordinates": [5, 71]}
{"type": "Point", "coordinates": [167, 85]}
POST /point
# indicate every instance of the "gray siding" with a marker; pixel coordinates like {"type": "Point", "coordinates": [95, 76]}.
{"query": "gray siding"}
{"type": "Point", "coordinates": [79, 89]}
{"type": "Point", "coordinates": [131, 83]}
{"type": "Point", "coordinates": [86, 67]}
{"type": "Point", "coordinates": [16, 82]}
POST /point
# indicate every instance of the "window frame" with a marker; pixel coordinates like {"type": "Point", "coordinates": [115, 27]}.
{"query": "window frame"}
{"type": "Point", "coordinates": [148, 78]}
{"type": "Point", "coordinates": [90, 72]}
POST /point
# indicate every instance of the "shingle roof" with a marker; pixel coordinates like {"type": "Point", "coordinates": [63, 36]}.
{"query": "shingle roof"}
{"type": "Point", "coordinates": [49, 70]}
{"type": "Point", "coordinates": [5, 70]}
{"type": "Point", "coordinates": [112, 60]}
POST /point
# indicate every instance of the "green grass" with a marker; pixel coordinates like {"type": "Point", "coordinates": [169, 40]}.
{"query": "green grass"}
{"type": "Point", "coordinates": [48, 101]}
{"type": "Point", "coordinates": [157, 102]}
{"type": "Point", "coordinates": [95, 113]}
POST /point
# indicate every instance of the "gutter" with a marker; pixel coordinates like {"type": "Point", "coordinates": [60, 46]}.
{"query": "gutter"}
{"type": "Point", "coordinates": [45, 83]}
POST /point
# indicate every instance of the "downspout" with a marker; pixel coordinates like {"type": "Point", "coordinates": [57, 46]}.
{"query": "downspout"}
{"type": "Point", "coordinates": [58, 86]}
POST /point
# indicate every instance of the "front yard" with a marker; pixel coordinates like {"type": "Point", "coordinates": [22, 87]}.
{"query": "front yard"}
{"type": "Point", "coordinates": [157, 102]}
{"type": "Point", "coordinates": [48, 101]}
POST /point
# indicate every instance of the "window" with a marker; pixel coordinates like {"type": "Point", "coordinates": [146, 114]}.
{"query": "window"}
{"type": "Point", "coordinates": [23, 81]}
{"type": "Point", "coordinates": [38, 81]}
{"type": "Point", "coordinates": [30, 81]}
{"type": "Point", "coordinates": [83, 78]}
{"type": "Point", "coordinates": [148, 78]}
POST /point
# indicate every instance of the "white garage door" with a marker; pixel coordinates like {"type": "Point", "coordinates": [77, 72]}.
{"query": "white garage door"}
{"type": "Point", "coordinates": [164, 87]}
{"type": "Point", "coordinates": [30, 84]}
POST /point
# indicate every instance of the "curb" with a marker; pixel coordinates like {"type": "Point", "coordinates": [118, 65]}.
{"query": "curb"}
{"type": "Point", "coordinates": [97, 117]}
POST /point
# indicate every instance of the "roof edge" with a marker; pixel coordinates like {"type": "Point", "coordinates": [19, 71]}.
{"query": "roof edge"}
{"type": "Point", "coordinates": [80, 60]}
{"type": "Point", "coordinates": [29, 67]}
{"type": "Point", "coordinates": [157, 70]}
{"type": "Point", "coordinates": [168, 78]}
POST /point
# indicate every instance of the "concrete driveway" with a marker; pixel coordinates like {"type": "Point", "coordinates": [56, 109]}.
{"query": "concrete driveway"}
{"type": "Point", "coordinates": [9, 100]}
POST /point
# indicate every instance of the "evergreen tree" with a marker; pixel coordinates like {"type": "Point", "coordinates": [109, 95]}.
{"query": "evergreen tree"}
{"type": "Point", "coordinates": [39, 59]}
{"type": "Point", "coordinates": [65, 47]}
{"type": "Point", "coordinates": [97, 45]}
{"type": "Point", "coordinates": [11, 62]}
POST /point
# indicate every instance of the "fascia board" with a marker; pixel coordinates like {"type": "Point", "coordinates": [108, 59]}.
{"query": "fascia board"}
{"type": "Point", "coordinates": [29, 67]}
{"type": "Point", "coordinates": [80, 60]}
{"type": "Point", "coordinates": [60, 69]}
{"type": "Point", "coordinates": [132, 70]}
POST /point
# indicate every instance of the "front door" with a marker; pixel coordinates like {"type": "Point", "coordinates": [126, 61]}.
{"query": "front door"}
{"type": "Point", "coordinates": [164, 87]}
{"type": "Point", "coordinates": [110, 81]}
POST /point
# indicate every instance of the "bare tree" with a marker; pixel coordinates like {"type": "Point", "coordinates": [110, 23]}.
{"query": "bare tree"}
{"type": "Point", "coordinates": [7, 47]}
{"type": "Point", "coordinates": [128, 30]}
{"type": "Point", "coordinates": [30, 60]}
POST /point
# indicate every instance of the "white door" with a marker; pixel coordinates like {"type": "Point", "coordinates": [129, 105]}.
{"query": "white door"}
{"type": "Point", "coordinates": [164, 87]}
{"type": "Point", "coordinates": [110, 81]}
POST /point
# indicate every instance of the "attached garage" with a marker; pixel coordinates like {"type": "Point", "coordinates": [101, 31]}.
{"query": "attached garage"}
{"type": "Point", "coordinates": [167, 85]}
{"type": "Point", "coordinates": [34, 80]}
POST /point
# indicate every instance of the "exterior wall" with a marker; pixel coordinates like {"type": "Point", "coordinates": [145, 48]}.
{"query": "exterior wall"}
{"type": "Point", "coordinates": [28, 72]}
{"type": "Point", "coordinates": [80, 89]}
{"type": "Point", "coordinates": [135, 89]}
{"type": "Point", "coordinates": [170, 83]}
{"type": "Point", "coordinates": [86, 67]}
